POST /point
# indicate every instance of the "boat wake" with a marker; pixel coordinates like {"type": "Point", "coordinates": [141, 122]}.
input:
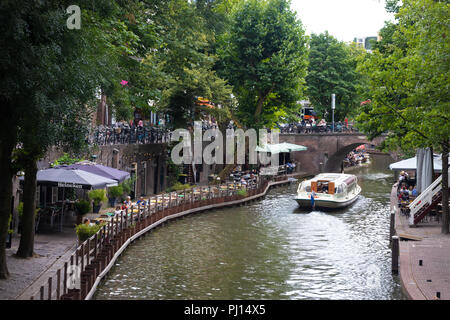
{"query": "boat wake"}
{"type": "Point", "coordinates": [377, 176]}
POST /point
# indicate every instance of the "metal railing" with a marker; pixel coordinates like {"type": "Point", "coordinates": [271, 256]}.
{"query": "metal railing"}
{"type": "Point", "coordinates": [108, 135]}
{"type": "Point", "coordinates": [327, 129]}
{"type": "Point", "coordinates": [129, 135]}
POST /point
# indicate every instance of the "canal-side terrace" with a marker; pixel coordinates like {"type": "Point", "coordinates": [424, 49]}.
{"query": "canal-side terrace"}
{"type": "Point", "coordinates": [91, 260]}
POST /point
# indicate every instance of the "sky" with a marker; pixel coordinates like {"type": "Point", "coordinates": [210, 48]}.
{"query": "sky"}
{"type": "Point", "coordinates": [344, 19]}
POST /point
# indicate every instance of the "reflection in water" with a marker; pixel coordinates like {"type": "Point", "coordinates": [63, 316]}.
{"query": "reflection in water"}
{"type": "Point", "coordinates": [267, 250]}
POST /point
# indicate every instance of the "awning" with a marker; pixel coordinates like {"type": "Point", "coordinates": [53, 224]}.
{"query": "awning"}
{"type": "Point", "coordinates": [411, 164]}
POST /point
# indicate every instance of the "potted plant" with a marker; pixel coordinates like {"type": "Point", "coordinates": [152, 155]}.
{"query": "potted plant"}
{"type": "Point", "coordinates": [85, 231]}
{"type": "Point", "coordinates": [242, 193]}
{"type": "Point", "coordinates": [114, 193]}
{"type": "Point", "coordinates": [98, 196]}
{"type": "Point", "coordinates": [82, 207]}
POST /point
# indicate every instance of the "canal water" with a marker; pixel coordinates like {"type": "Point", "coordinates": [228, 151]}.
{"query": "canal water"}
{"type": "Point", "coordinates": [268, 250]}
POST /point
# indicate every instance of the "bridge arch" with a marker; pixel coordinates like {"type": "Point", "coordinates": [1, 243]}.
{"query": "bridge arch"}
{"type": "Point", "coordinates": [326, 150]}
{"type": "Point", "coordinates": [333, 163]}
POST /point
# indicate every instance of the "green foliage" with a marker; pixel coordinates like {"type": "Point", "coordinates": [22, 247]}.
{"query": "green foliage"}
{"type": "Point", "coordinates": [98, 196]}
{"type": "Point", "coordinates": [408, 79]}
{"type": "Point", "coordinates": [242, 193]}
{"type": "Point", "coordinates": [127, 185]}
{"type": "Point", "coordinates": [185, 60]}
{"type": "Point", "coordinates": [173, 171]}
{"type": "Point", "coordinates": [65, 159]}
{"type": "Point", "coordinates": [20, 209]}
{"type": "Point", "coordinates": [85, 231]}
{"type": "Point", "coordinates": [82, 207]}
{"type": "Point", "coordinates": [115, 191]}
{"type": "Point", "coordinates": [264, 56]}
{"type": "Point", "coordinates": [179, 186]}
{"type": "Point", "coordinates": [332, 69]}
{"type": "Point", "coordinates": [10, 231]}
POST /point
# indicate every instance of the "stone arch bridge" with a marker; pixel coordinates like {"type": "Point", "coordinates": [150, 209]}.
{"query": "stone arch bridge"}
{"type": "Point", "coordinates": [325, 150]}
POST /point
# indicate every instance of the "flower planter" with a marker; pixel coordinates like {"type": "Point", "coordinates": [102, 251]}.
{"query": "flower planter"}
{"type": "Point", "coordinates": [96, 208]}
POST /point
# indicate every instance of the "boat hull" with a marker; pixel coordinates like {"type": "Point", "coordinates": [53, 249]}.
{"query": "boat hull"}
{"type": "Point", "coordinates": [323, 203]}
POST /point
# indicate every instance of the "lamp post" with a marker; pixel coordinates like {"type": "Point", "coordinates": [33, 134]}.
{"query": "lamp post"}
{"type": "Point", "coordinates": [333, 106]}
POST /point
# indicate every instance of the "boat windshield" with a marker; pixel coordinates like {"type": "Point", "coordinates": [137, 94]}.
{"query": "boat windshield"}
{"type": "Point", "coordinates": [304, 187]}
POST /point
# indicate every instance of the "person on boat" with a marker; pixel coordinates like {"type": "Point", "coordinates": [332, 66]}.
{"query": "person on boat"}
{"type": "Point", "coordinates": [313, 204]}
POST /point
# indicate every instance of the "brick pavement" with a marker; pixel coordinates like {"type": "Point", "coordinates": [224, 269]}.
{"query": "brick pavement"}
{"type": "Point", "coordinates": [423, 282]}
{"type": "Point", "coordinates": [29, 274]}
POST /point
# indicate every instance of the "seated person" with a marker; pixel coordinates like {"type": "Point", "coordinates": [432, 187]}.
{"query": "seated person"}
{"type": "Point", "coordinates": [118, 211]}
{"type": "Point", "coordinates": [405, 194]}
{"type": "Point", "coordinates": [128, 202]}
{"type": "Point", "coordinates": [88, 222]}
{"type": "Point", "coordinates": [141, 201]}
{"type": "Point", "coordinates": [414, 192]}
{"type": "Point", "coordinates": [289, 166]}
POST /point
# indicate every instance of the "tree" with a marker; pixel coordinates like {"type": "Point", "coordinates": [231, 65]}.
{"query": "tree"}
{"type": "Point", "coordinates": [184, 60]}
{"type": "Point", "coordinates": [50, 73]}
{"type": "Point", "coordinates": [409, 76]}
{"type": "Point", "coordinates": [331, 69]}
{"type": "Point", "coordinates": [263, 55]}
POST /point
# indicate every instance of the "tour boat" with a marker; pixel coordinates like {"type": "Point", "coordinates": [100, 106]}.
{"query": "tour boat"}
{"type": "Point", "coordinates": [332, 190]}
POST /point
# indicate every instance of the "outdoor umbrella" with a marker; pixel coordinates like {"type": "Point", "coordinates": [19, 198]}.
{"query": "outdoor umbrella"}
{"type": "Point", "coordinates": [281, 147]}
{"type": "Point", "coordinates": [100, 170]}
{"type": "Point", "coordinates": [411, 164]}
{"type": "Point", "coordinates": [73, 178]}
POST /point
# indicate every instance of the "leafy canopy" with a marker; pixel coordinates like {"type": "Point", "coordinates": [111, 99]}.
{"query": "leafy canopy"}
{"type": "Point", "coordinates": [264, 57]}
{"type": "Point", "coordinates": [409, 78]}
{"type": "Point", "coordinates": [332, 69]}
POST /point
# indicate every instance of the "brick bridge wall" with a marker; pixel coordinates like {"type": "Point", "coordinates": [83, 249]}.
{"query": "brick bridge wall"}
{"type": "Point", "coordinates": [325, 151]}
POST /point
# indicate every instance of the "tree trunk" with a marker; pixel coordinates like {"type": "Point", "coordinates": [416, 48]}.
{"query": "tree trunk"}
{"type": "Point", "coordinates": [26, 245]}
{"type": "Point", "coordinates": [445, 209]}
{"type": "Point", "coordinates": [259, 106]}
{"type": "Point", "coordinates": [7, 143]}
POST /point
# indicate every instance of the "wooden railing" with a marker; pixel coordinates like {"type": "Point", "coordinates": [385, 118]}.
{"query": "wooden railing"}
{"type": "Point", "coordinates": [75, 279]}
